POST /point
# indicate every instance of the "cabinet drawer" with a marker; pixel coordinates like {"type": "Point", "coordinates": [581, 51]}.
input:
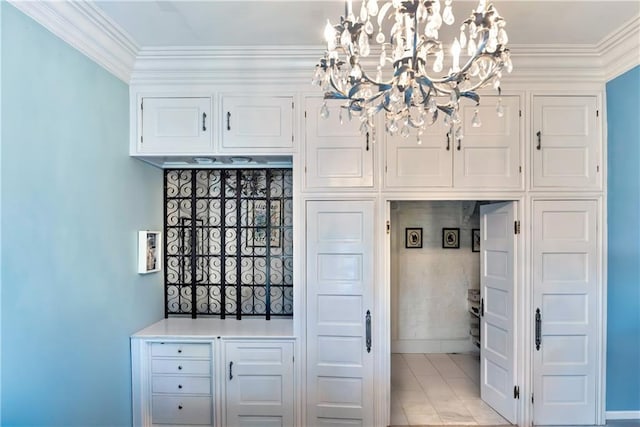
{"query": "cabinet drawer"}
{"type": "Point", "coordinates": [181, 385]}
{"type": "Point", "coordinates": [180, 366]}
{"type": "Point", "coordinates": [161, 349]}
{"type": "Point", "coordinates": [194, 410]}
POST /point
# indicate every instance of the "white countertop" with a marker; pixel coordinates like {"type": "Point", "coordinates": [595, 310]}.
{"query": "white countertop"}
{"type": "Point", "coordinates": [203, 328]}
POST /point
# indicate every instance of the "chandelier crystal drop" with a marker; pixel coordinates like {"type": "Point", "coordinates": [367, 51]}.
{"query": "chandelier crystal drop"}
{"type": "Point", "coordinates": [393, 77]}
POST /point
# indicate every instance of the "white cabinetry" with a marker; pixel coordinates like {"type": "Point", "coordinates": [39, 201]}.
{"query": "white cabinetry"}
{"type": "Point", "coordinates": [336, 155]}
{"type": "Point", "coordinates": [259, 383]}
{"type": "Point", "coordinates": [257, 123]}
{"type": "Point", "coordinates": [488, 157]}
{"type": "Point", "coordinates": [565, 142]}
{"type": "Point", "coordinates": [214, 372]}
{"type": "Point", "coordinates": [174, 125]}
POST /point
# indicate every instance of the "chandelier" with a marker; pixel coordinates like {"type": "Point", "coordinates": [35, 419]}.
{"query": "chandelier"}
{"type": "Point", "coordinates": [399, 84]}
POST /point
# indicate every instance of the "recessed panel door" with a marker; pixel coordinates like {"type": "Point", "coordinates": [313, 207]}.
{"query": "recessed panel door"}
{"type": "Point", "coordinates": [497, 320]}
{"type": "Point", "coordinates": [339, 313]}
{"type": "Point", "coordinates": [565, 286]}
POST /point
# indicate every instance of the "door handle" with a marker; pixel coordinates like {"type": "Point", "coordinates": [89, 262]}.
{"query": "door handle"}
{"type": "Point", "coordinates": [482, 307]}
{"type": "Point", "coordinates": [204, 123]}
{"type": "Point", "coordinates": [539, 135]}
{"type": "Point", "coordinates": [228, 120]}
{"type": "Point", "coordinates": [367, 148]}
{"type": "Point", "coordinates": [448, 140]}
{"type": "Point", "coordinates": [368, 330]}
{"type": "Point", "coordinates": [538, 329]}
{"type": "Point", "coordinates": [459, 144]}
{"type": "Point", "coordinates": [230, 371]}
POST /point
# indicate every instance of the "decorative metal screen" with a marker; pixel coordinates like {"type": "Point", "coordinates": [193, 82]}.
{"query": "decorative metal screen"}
{"type": "Point", "coordinates": [229, 242]}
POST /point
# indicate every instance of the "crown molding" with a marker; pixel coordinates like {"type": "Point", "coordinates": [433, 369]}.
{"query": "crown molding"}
{"type": "Point", "coordinates": [620, 50]}
{"type": "Point", "coordinates": [86, 28]}
{"type": "Point", "coordinates": [83, 26]}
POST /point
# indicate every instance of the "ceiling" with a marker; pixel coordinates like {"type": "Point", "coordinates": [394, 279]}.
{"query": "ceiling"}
{"type": "Point", "coordinates": [220, 23]}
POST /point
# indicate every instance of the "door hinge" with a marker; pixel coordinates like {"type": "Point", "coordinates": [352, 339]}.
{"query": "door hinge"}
{"type": "Point", "coordinates": [388, 227]}
{"type": "Point", "coordinates": [520, 169]}
{"type": "Point", "coordinates": [292, 105]}
{"type": "Point", "coordinates": [305, 114]}
{"type": "Point", "coordinates": [597, 168]}
{"type": "Point", "coordinates": [597, 113]}
{"type": "Point", "coordinates": [293, 359]}
{"type": "Point", "coordinates": [532, 398]}
{"type": "Point", "coordinates": [516, 392]}
{"type": "Point", "coordinates": [520, 113]}
{"type": "Point", "coordinates": [516, 227]}
{"type": "Point", "coordinates": [141, 105]}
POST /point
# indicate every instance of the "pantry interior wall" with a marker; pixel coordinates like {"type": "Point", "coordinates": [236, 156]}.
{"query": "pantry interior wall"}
{"type": "Point", "coordinates": [429, 312]}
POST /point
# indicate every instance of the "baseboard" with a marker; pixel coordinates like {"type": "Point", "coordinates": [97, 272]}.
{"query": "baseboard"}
{"type": "Point", "coordinates": [622, 415]}
{"type": "Point", "coordinates": [433, 346]}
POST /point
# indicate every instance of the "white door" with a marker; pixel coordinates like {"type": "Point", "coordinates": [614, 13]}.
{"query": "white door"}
{"type": "Point", "coordinates": [340, 283]}
{"type": "Point", "coordinates": [565, 270]}
{"type": "Point", "coordinates": [259, 384]}
{"type": "Point", "coordinates": [259, 123]}
{"type": "Point", "coordinates": [497, 321]}
{"type": "Point", "coordinates": [175, 126]}
{"type": "Point", "coordinates": [410, 163]}
{"type": "Point", "coordinates": [489, 155]}
{"type": "Point", "coordinates": [565, 142]}
{"type": "Point", "coordinates": [336, 154]}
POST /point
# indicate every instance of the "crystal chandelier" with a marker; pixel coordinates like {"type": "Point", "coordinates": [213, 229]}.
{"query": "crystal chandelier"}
{"type": "Point", "coordinates": [401, 86]}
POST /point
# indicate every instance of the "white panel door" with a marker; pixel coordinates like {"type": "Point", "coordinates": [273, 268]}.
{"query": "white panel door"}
{"type": "Point", "coordinates": [336, 155]}
{"type": "Point", "coordinates": [428, 163]}
{"type": "Point", "coordinates": [259, 384]}
{"type": "Point", "coordinates": [339, 303]}
{"type": "Point", "coordinates": [175, 126]}
{"type": "Point", "coordinates": [489, 156]}
{"type": "Point", "coordinates": [565, 142]}
{"type": "Point", "coordinates": [260, 123]}
{"type": "Point", "coordinates": [565, 289]}
{"type": "Point", "coordinates": [497, 321]}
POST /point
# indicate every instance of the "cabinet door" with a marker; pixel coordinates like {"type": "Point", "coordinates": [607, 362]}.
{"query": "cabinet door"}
{"type": "Point", "coordinates": [566, 142]}
{"type": "Point", "coordinates": [175, 126]}
{"type": "Point", "coordinates": [262, 124]}
{"type": "Point", "coordinates": [428, 163]}
{"type": "Point", "coordinates": [489, 156]}
{"type": "Point", "coordinates": [340, 284]}
{"type": "Point", "coordinates": [565, 293]}
{"type": "Point", "coordinates": [259, 384]}
{"type": "Point", "coordinates": [336, 155]}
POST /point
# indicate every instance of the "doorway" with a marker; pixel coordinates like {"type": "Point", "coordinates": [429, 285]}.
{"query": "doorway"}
{"type": "Point", "coordinates": [440, 372]}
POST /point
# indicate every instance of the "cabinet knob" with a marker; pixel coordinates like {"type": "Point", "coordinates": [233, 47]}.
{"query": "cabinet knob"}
{"type": "Point", "coordinates": [180, 386]}
{"type": "Point", "coordinates": [179, 367]}
{"type": "Point", "coordinates": [180, 407]}
{"type": "Point", "coordinates": [179, 350]}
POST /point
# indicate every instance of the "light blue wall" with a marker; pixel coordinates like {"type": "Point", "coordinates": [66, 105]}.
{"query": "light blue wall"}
{"type": "Point", "coordinates": [623, 321]}
{"type": "Point", "coordinates": [72, 202]}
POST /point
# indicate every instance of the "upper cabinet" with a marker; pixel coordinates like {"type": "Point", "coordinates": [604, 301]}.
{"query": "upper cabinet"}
{"type": "Point", "coordinates": [337, 155]}
{"type": "Point", "coordinates": [566, 143]}
{"type": "Point", "coordinates": [489, 156]}
{"type": "Point", "coordinates": [174, 125]}
{"type": "Point", "coordinates": [257, 123]}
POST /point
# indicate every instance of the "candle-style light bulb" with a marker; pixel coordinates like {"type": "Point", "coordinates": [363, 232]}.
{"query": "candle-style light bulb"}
{"type": "Point", "coordinates": [329, 32]}
{"type": "Point", "coordinates": [455, 53]}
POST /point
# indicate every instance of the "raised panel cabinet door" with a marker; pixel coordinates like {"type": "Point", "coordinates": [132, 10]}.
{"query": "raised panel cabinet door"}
{"type": "Point", "coordinates": [565, 142]}
{"type": "Point", "coordinates": [565, 291]}
{"type": "Point", "coordinates": [427, 162]}
{"type": "Point", "coordinates": [175, 126]}
{"type": "Point", "coordinates": [259, 123]}
{"type": "Point", "coordinates": [259, 383]}
{"type": "Point", "coordinates": [336, 155]}
{"type": "Point", "coordinates": [339, 258]}
{"type": "Point", "coordinates": [497, 316]}
{"type": "Point", "coordinates": [489, 155]}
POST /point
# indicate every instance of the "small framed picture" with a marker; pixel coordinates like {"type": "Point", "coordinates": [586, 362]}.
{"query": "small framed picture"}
{"type": "Point", "coordinates": [451, 238]}
{"type": "Point", "coordinates": [149, 251]}
{"type": "Point", "coordinates": [475, 240]}
{"type": "Point", "coordinates": [413, 238]}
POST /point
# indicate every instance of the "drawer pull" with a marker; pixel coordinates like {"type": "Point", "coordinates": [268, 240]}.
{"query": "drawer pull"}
{"type": "Point", "coordinates": [179, 367]}
{"type": "Point", "coordinates": [230, 371]}
{"type": "Point", "coordinates": [179, 350]}
{"type": "Point", "coordinates": [180, 386]}
{"type": "Point", "coordinates": [180, 407]}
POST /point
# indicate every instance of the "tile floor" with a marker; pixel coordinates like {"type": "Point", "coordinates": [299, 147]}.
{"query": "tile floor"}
{"type": "Point", "coordinates": [438, 389]}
